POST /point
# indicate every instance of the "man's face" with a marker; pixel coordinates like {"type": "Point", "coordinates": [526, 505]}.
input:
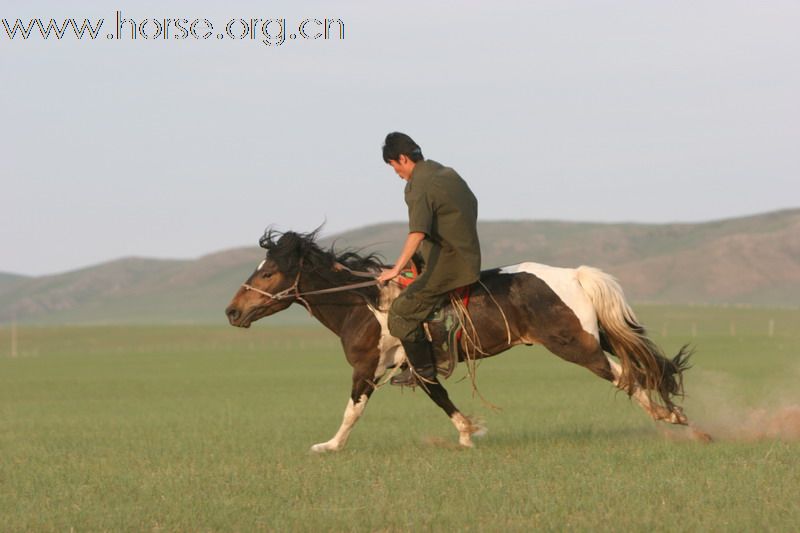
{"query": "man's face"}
{"type": "Point", "coordinates": [403, 166]}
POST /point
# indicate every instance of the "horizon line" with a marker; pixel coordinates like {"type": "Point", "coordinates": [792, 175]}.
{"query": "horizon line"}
{"type": "Point", "coordinates": [387, 223]}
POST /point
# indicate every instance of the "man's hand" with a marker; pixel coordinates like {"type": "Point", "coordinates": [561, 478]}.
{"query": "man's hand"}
{"type": "Point", "coordinates": [412, 243]}
{"type": "Point", "coordinates": [388, 274]}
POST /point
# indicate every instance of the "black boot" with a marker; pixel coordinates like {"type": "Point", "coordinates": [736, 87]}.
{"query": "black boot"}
{"type": "Point", "coordinates": [420, 357]}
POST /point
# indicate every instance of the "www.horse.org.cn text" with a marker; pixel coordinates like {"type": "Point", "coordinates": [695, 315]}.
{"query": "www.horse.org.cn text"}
{"type": "Point", "coordinates": [268, 31]}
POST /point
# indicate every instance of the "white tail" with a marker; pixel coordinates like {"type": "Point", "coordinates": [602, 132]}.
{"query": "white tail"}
{"type": "Point", "coordinates": [643, 363]}
{"type": "Point", "coordinates": [607, 297]}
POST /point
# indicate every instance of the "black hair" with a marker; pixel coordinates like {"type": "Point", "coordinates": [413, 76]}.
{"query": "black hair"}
{"type": "Point", "coordinates": [397, 144]}
{"type": "Point", "coordinates": [292, 251]}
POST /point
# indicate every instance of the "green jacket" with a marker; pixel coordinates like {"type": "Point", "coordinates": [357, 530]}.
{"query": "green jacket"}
{"type": "Point", "coordinates": [442, 206]}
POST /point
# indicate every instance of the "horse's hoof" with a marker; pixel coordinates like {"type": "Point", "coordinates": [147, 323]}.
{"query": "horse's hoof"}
{"type": "Point", "coordinates": [677, 417]}
{"type": "Point", "coordinates": [322, 447]}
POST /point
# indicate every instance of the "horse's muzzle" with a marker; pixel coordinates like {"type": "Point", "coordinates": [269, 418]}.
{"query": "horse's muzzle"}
{"type": "Point", "coordinates": [234, 315]}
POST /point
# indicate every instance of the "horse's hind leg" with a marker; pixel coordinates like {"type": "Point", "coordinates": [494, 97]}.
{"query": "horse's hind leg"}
{"type": "Point", "coordinates": [659, 412]}
{"type": "Point", "coordinates": [656, 412]}
{"type": "Point", "coordinates": [581, 348]}
{"type": "Point", "coordinates": [584, 350]}
{"type": "Point", "coordinates": [466, 427]}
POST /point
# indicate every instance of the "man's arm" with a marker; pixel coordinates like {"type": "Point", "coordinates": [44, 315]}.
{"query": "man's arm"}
{"type": "Point", "coordinates": [411, 245]}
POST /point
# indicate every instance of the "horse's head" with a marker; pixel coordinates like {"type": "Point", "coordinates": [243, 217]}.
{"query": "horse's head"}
{"type": "Point", "coordinates": [269, 289]}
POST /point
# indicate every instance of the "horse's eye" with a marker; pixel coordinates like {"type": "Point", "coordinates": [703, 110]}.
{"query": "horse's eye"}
{"type": "Point", "coordinates": [266, 274]}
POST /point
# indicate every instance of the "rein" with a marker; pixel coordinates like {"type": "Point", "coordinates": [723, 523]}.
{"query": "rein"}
{"type": "Point", "coordinates": [294, 290]}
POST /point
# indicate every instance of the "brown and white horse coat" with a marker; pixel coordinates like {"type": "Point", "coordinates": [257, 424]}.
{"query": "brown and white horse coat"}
{"type": "Point", "coordinates": [578, 314]}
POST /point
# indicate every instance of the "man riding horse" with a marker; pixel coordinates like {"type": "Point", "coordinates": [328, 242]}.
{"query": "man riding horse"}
{"type": "Point", "coordinates": [579, 314]}
{"type": "Point", "coordinates": [442, 218]}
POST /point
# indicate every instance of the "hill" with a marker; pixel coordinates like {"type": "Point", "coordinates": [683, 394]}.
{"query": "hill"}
{"type": "Point", "coordinates": [7, 280]}
{"type": "Point", "coordinates": [748, 260]}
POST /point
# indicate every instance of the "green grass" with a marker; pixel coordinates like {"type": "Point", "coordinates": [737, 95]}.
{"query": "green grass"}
{"type": "Point", "coordinates": [208, 429]}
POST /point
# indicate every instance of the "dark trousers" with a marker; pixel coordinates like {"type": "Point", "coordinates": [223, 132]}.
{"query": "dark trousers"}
{"type": "Point", "coordinates": [409, 310]}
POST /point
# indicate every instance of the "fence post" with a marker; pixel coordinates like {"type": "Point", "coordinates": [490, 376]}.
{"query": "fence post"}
{"type": "Point", "coordinates": [14, 336]}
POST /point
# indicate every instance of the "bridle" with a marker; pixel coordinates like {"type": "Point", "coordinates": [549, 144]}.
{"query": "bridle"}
{"type": "Point", "coordinates": [294, 291]}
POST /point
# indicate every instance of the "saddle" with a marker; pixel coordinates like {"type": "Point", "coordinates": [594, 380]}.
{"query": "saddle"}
{"type": "Point", "coordinates": [444, 327]}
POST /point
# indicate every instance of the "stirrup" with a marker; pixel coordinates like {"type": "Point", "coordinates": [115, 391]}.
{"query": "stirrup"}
{"type": "Point", "coordinates": [404, 379]}
{"type": "Point", "coordinates": [407, 378]}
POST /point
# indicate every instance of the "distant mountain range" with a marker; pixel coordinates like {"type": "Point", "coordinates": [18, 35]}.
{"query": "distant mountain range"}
{"type": "Point", "coordinates": [8, 279]}
{"type": "Point", "coordinates": [748, 260]}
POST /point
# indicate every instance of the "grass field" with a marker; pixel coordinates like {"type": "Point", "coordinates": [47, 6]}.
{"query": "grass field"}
{"type": "Point", "coordinates": [208, 429]}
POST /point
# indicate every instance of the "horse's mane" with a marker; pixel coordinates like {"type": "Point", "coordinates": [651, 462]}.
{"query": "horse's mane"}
{"type": "Point", "coordinates": [292, 251]}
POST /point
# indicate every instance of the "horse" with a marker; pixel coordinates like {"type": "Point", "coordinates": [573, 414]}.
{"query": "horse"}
{"type": "Point", "coordinates": [579, 314]}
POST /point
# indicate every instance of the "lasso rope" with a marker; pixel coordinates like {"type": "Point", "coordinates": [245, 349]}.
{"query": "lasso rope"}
{"type": "Point", "coordinates": [471, 342]}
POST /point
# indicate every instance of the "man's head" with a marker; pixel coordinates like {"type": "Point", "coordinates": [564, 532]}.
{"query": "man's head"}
{"type": "Point", "coordinates": [401, 153]}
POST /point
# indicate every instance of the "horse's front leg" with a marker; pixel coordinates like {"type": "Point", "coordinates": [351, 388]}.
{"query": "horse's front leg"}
{"type": "Point", "coordinates": [362, 390]}
{"type": "Point", "coordinates": [465, 425]}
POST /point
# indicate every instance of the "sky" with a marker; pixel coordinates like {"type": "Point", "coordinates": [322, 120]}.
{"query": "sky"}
{"type": "Point", "coordinates": [625, 111]}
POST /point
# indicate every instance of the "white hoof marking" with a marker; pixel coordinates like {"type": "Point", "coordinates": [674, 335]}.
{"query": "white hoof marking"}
{"type": "Point", "coordinates": [323, 447]}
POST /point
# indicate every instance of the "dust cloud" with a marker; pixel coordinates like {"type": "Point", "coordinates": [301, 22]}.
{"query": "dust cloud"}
{"type": "Point", "coordinates": [716, 406]}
